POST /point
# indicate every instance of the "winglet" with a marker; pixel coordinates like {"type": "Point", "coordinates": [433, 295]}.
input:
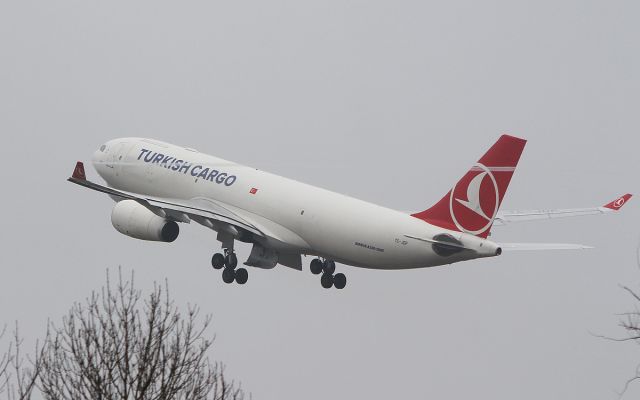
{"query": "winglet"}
{"type": "Point", "coordinates": [78, 172]}
{"type": "Point", "coordinates": [618, 203]}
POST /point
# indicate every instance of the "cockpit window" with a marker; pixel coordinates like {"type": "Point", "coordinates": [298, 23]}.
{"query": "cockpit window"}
{"type": "Point", "coordinates": [104, 146]}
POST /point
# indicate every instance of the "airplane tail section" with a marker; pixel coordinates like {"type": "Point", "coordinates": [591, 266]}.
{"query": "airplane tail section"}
{"type": "Point", "coordinates": [473, 203]}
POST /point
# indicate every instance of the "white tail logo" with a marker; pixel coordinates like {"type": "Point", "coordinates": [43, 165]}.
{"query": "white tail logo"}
{"type": "Point", "coordinates": [474, 202]}
{"type": "Point", "coordinates": [473, 194]}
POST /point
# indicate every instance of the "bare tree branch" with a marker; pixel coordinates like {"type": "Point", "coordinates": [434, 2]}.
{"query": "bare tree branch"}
{"type": "Point", "coordinates": [630, 322]}
{"type": "Point", "coordinates": [5, 361]}
{"type": "Point", "coordinates": [636, 296]}
{"type": "Point", "coordinates": [18, 375]}
{"type": "Point", "coordinates": [118, 344]}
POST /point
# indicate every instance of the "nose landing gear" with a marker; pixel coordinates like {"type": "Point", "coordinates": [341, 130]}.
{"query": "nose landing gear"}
{"type": "Point", "coordinates": [229, 261]}
{"type": "Point", "coordinates": [328, 279]}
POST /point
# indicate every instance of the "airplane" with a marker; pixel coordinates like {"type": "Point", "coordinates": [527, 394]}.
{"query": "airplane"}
{"type": "Point", "coordinates": [157, 185]}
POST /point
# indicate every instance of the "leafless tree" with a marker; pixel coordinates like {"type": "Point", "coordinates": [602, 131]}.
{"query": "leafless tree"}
{"type": "Point", "coordinates": [119, 345]}
{"type": "Point", "coordinates": [4, 365]}
{"type": "Point", "coordinates": [18, 375]}
{"type": "Point", "coordinates": [630, 322]}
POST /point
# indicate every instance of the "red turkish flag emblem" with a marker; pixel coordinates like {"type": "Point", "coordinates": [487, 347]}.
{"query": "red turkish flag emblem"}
{"type": "Point", "coordinates": [253, 191]}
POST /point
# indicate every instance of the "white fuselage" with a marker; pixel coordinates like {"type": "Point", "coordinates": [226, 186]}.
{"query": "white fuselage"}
{"type": "Point", "coordinates": [306, 219]}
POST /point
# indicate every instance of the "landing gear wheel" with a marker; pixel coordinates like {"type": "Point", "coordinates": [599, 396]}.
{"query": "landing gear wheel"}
{"type": "Point", "coordinates": [329, 267]}
{"type": "Point", "coordinates": [326, 280]}
{"type": "Point", "coordinates": [230, 260]}
{"type": "Point", "coordinates": [228, 275]}
{"type": "Point", "coordinates": [316, 266]}
{"type": "Point", "coordinates": [242, 276]}
{"type": "Point", "coordinates": [217, 261]}
{"type": "Point", "coordinates": [339, 281]}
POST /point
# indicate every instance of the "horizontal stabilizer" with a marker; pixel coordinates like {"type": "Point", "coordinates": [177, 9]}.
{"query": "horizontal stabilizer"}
{"type": "Point", "coordinates": [507, 217]}
{"type": "Point", "coordinates": [542, 246]}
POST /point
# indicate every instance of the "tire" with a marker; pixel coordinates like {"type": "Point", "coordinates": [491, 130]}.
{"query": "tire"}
{"type": "Point", "coordinates": [326, 281]}
{"type": "Point", "coordinates": [316, 266]}
{"type": "Point", "coordinates": [231, 260]}
{"type": "Point", "coordinates": [217, 261]}
{"type": "Point", "coordinates": [242, 276]}
{"type": "Point", "coordinates": [329, 267]}
{"type": "Point", "coordinates": [339, 281]}
{"type": "Point", "coordinates": [228, 275]}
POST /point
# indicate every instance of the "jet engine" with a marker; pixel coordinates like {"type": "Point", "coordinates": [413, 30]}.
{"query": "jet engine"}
{"type": "Point", "coordinates": [133, 219]}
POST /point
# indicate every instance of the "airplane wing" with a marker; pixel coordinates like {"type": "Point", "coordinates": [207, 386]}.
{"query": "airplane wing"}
{"type": "Point", "coordinates": [207, 212]}
{"type": "Point", "coordinates": [507, 217]}
{"type": "Point", "coordinates": [175, 209]}
{"type": "Point", "coordinates": [215, 215]}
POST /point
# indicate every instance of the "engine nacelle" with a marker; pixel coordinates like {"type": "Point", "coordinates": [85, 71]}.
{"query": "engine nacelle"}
{"type": "Point", "coordinates": [133, 219]}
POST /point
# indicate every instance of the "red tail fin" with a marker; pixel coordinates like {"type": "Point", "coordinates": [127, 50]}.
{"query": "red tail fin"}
{"type": "Point", "coordinates": [473, 202]}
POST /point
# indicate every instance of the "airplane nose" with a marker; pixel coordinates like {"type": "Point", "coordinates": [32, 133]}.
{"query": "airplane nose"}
{"type": "Point", "coordinates": [98, 159]}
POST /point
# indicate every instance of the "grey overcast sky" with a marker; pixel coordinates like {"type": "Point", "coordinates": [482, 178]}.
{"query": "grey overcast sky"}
{"type": "Point", "coordinates": [387, 101]}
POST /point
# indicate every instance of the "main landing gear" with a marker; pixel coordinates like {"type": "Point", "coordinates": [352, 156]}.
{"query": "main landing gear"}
{"type": "Point", "coordinates": [229, 261]}
{"type": "Point", "coordinates": [328, 278]}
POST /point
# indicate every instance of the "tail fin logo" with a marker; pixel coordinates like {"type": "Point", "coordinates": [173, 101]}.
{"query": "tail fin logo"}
{"type": "Point", "coordinates": [474, 201]}
{"type": "Point", "coordinates": [619, 203]}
